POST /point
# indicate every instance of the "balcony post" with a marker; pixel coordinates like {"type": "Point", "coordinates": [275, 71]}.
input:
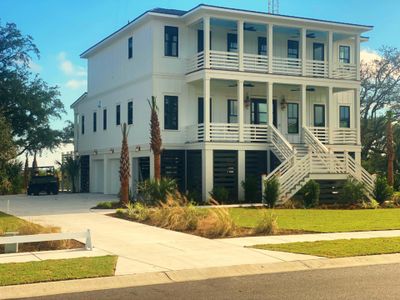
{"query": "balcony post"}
{"type": "Point", "coordinates": [270, 91]}
{"type": "Point", "coordinates": [207, 172]}
{"type": "Point", "coordinates": [357, 115]}
{"type": "Point", "coordinates": [270, 42]}
{"type": "Point", "coordinates": [357, 56]}
{"type": "Point", "coordinates": [240, 98]}
{"type": "Point", "coordinates": [303, 108]}
{"type": "Point", "coordinates": [206, 36]}
{"type": "Point", "coordinates": [240, 31]}
{"type": "Point", "coordinates": [303, 35]}
{"type": "Point", "coordinates": [206, 108]}
{"type": "Point", "coordinates": [331, 115]}
{"type": "Point", "coordinates": [330, 54]}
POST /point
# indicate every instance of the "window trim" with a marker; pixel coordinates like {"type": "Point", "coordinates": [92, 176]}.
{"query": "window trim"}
{"type": "Point", "coordinates": [130, 112]}
{"type": "Point", "coordinates": [168, 47]}
{"type": "Point", "coordinates": [177, 113]}
{"type": "Point", "coordinates": [340, 59]}
{"type": "Point", "coordinates": [230, 103]}
{"type": "Point", "coordinates": [297, 117]}
{"type": "Point", "coordinates": [340, 116]}
{"type": "Point", "coordinates": [105, 118]}
{"type": "Point", "coordinates": [323, 116]}
{"type": "Point", "coordinates": [130, 47]}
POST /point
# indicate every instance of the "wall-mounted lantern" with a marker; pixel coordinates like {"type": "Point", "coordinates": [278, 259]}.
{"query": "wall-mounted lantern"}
{"type": "Point", "coordinates": [283, 103]}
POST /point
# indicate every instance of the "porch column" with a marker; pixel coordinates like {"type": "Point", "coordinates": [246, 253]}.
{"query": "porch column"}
{"type": "Point", "coordinates": [240, 31]}
{"type": "Point", "coordinates": [240, 109]}
{"type": "Point", "coordinates": [270, 42]}
{"type": "Point", "coordinates": [357, 56]}
{"type": "Point", "coordinates": [331, 115]}
{"type": "Point", "coordinates": [270, 93]}
{"type": "Point", "coordinates": [330, 54]}
{"type": "Point", "coordinates": [357, 114]}
{"type": "Point", "coordinates": [303, 105]}
{"type": "Point", "coordinates": [207, 172]}
{"type": "Point", "coordinates": [206, 108]}
{"type": "Point", "coordinates": [206, 36]}
{"type": "Point", "coordinates": [303, 34]}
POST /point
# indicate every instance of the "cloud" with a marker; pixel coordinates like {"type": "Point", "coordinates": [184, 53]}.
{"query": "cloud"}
{"type": "Point", "coordinates": [368, 55]}
{"type": "Point", "coordinates": [68, 68]}
{"type": "Point", "coordinates": [75, 83]}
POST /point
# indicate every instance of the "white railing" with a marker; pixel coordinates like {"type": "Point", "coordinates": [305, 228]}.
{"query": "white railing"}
{"type": "Point", "coordinates": [195, 63]}
{"type": "Point", "coordinates": [284, 65]}
{"type": "Point", "coordinates": [344, 71]}
{"type": "Point", "coordinates": [344, 136]}
{"type": "Point", "coordinates": [224, 60]}
{"type": "Point", "coordinates": [255, 133]}
{"type": "Point", "coordinates": [316, 68]}
{"type": "Point", "coordinates": [313, 142]}
{"type": "Point", "coordinates": [224, 132]}
{"type": "Point", "coordinates": [282, 147]}
{"type": "Point", "coordinates": [195, 133]}
{"type": "Point", "coordinates": [255, 63]}
{"type": "Point", "coordinates": [360, 174]}
{"type": "Point", "coordinates": [320, 133]}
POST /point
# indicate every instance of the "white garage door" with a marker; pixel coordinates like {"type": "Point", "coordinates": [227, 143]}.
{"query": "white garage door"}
{"type": "Point", "coordinates": [98, 176]}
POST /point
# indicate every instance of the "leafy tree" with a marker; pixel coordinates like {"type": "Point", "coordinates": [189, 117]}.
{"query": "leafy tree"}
{"type": "Point", "coordinates": [155, 137]}
{"type": "Point", "coordinates": [7, 145]}
{"type": "Point", "coordinates": [70, 166]}
{"type": "Point", "coordinates": [124, 171]}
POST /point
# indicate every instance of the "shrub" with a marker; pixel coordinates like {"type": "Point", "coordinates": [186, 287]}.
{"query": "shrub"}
{"type": "Point", "coordinates": [371, 204]}
{"type": "Point", "coordinates": [220, 194]}
{"type": "Point", "coordinates": [353, 191]}
{"type": "Point", "coordinates": [310, 192]}
{"type": "Point", "coordinates": [271, 192]}
{"type": "Point", "coordinates": [11, 179]}
{"type": "Point", "coordinates": [153, 191]}
{"type": "Point", "coordinates": [250, 186]}
{"type": "Point", "coordinates": [268, 223]}
{"type": "Point", "coordinates": [396, 198]}
{"type": "Point", "coordinates": [137, 212]}
{"type": "Point", "coordinates": [108, 205]}
{"type": "Point", "coordinates": [382, 191]}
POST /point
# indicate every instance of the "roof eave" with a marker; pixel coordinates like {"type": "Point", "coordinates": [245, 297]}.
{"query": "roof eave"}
{"type": "Point", "coordinates": [80, 99]}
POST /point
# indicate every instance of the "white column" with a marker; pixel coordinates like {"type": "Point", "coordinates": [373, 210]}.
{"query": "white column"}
{"type": "Point", "coordinates": [206, 109]}
{"type": "Point", "coordinates": [330, 54]}
{"type": "Point", "coordinates": [240, 38]}
{"type": "Point", "coordinates": [206, 33]}
{"type": "Point", "coordinates": [303, 108]}
{"type": "Point", "coordinates": [207, 172]}
{"type": "Point", "coordinates": [357, 114]}
{"type": "Point", "coordinates": [241, 173]}
{"type": "Point", "coordinates": [270, 91]}
{"type": "Point", "coordinates": [331, 115]}
{"type": "Point", "coordinates": [303, 35]}
{"type": "Point", "coordinates": [357, 55]}
{"type": "Point", "coordinates": [240, 98]}
{"type": "Point", "coordinates": [270, 42]}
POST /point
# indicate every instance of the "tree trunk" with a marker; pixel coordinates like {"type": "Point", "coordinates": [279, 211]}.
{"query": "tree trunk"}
{"type": "Point", "coordinates": [124, 171]}
{"type": "Point", "coordinates": [157, 166]}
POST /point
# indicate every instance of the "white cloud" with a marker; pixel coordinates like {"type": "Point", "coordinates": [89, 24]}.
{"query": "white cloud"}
{"type": "Point", "coordinates": [35, 67]}
{"type": "Point", "coordinates": [68, 68]}
{"type": "Point", "coordinates": [75, 83]}
{"type": "Point", "coordinates": [368, 55]}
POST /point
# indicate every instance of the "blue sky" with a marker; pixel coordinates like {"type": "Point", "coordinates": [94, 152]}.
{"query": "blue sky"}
{"type": "Point", "coordinates": [62, 29]}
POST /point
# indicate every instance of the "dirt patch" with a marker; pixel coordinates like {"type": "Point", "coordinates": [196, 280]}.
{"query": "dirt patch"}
{"type": "Point", "coordinates": [47, 246]}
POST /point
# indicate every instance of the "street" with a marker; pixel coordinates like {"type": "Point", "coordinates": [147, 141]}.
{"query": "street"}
{"type": "Point", "coordinates": [370, 282]}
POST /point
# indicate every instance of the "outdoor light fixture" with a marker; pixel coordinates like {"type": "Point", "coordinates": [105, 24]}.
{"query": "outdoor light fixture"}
{"type": "Point", "coordinates": [137, 149]}
{"type": "Point", "coordinates": [283, 103]}
{"type": "Point", "coordinates": [247, 101]}
{"type": "Point", "coordinates": [95, 152]}
{"type": "Point", "coordinates": [112, 150]}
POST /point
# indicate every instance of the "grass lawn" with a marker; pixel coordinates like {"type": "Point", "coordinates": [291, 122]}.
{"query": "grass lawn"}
{"type": "Point", "coordinates": [339, 248]}
{"type": "Point", "coordinates": [60, 269]}
{"type": "Point", "coordinates": [323, 220]}
{"type": "Point", "coordinates": [10, 223]}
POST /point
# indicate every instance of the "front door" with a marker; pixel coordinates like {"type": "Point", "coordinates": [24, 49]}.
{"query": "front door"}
{"type": "Point", "coordinates": [293, 122]}
{"type": "Point", "coordinates": [258, 111]}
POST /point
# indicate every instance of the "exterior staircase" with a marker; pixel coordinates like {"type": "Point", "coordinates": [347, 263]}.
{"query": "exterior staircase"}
{"type": "Point", "coordinates": [312, 160]}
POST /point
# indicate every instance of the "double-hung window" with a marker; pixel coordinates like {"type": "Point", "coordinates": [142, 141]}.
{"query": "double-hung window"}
{"type": "Point", "coordinates": [293, 118]}
{"type": "Point", "coordinates": [130, 48]}
{"type": "Point", "coordinates": [344, 116]}
{"type": "Point", "coordinates": [232, 111]}
{"type": "Point", "coordinates": [318, 51]}
{"type": "Point", "coordinates": [130, 112]}
{"type": "Point", "coordinates": [344, 54]}
{"type": "Point", "coordinates": [105, 119]}
{"type": "Point", "coordinates": [293, 49]}
{"type": "Point", "coordinates": [319, 115]}
{"type": "Point", "coordinates": [94, 121]}
{"type": "Point", "coordinates": [171, 112]}
{"type": "Point", "coordinates": [171, 40]}
{"type": "Point", "coordinates": [118, 115]}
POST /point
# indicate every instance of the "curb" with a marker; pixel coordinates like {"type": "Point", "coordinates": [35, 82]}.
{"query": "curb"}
{"type": "Point", "coordinates": [123, 281]}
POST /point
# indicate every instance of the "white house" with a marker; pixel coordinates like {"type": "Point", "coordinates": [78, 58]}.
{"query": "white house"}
{"type": "Point", "coordinates": [240, 93]}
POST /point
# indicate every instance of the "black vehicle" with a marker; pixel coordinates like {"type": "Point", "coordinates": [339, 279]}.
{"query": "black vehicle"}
{"type": "Point", "coordinates": [43, 179]}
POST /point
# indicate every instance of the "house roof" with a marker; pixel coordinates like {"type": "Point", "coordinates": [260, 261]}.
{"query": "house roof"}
{"type": "Point", "coordinates": [81, 98]}
{"type": "Point", "coordinates": [182, 13]}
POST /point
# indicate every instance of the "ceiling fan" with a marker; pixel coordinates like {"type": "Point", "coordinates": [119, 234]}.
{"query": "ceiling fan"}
{"type": "Point", "coordinates": [248, 84]}
{"type": "Point", "coordinates": [309, 89]}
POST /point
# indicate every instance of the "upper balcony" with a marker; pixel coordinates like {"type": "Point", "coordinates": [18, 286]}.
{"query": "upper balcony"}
{"type": "Point", "coordinates": [268, 48]}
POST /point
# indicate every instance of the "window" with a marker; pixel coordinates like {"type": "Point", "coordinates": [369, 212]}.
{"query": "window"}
{"type": "Point", "coordinates": [200, 110]}
{"type": "Point", "coordinates": [232, 111]}
{"type": "Point", "coordinates": [171, 41]}
{"type": "Point", "coordinates": [118, 115]}
{"type": "Point", "coordinates": [293, 49]}
{"type": "Point", "coordinates": [293, 118]}
{"type": "Point", "coordinates": [319, 115]}
{"type": "Point", "coordinates": [171, 112]}
{"type": "Point", "coordinates": [344, 54]}
{"type": "Point", "coordinates": [130, 112]}
{"type": "Point", "coordinates": [232, 42]}
{"type": "Point", "coordinates": [105, 119]}
{"type": "Point", "coordinates": [130, 48]}
{"type": "Point", "coordinates": [200, 40]}
{"type": "Point", "coordinates": [262, 45]}
{"type": "Point", "coordinates": [318, 51]}
{"type": "Point", "coordinates": [344, 116]}
{"type": "Point", "coordinates": [258, 111]}
{"type": "Point", "coordinates": [83, 125]}
{"type": "Point", "coordinates": [94, 122]}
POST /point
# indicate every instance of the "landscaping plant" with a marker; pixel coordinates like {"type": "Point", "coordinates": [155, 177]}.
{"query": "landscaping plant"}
{"type": "Point", "coordinates": [155, 137]}
{"type": "Point", "coordinates": [124, 169]}
{"type": "Point", "coordinates": [153, 191]}
{"type": "Point", "coordinates": [250, 187]}
{"type": "Point", "coordinates": [220, 194]}
{"type": "Point", "coordinates": [353, 191]}
{"type": "Point", "coordinates": [271, 192]}
{"type": "Point", "coordinates": [70, 166]}
{"type": "Point", "coordinates": [310, 193]}
{"type": "Point", "coordinates": [267, 224]}
{"type": "Point", "coordinates": [382, 191]}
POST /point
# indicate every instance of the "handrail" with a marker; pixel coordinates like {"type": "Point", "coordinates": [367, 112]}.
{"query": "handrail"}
{"type": "Point", "coordinates": [280, 143]}
{"type": "Point", "coordinates": [312, 141]}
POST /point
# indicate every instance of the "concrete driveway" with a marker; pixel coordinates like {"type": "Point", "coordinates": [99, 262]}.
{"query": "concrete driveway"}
{"type": "Point", "coordinates": [140, 248]}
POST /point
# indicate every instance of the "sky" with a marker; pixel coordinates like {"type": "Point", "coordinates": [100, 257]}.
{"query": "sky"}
{"type": "Point", "coordinates": [63, 29]}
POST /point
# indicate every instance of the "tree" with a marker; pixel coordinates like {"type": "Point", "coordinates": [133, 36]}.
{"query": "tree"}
{"type": "Point", "coordinates": [26, 171]}
{"type": "Point", "coordinates": [7, 145]}
{"type": "Point", "coordinates": [27, 102]}
{"type": "Point", "coordinates": [70, 166]}
{"type": "Point", "coordinates": [155, 137]}
{"type": "Point", "coordinates": [389, 149]}
{"type": "Point", "coordinates": [124, 168]}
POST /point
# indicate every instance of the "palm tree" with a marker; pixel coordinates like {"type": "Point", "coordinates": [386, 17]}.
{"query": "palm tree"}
{"type": "Point", "coordinates": [34, 162]}
{"type": "Point", "coordinates": [390, 148]}
{"type": "Point", "coordinates": [70, 166]}
{"type": "Point", "coordinates": [155, 137]}
{"type": "Point", "coordinates": [26, 171]}
{"type": "Point", "coordinates": [124, 169]}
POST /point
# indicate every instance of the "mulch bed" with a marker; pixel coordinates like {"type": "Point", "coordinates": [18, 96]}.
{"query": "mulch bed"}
{"type": "Point", "coordinates": [47, 246]}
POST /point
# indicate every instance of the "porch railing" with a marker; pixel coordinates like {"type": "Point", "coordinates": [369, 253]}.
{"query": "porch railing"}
{"type": "Point", "coordinates": [255, 63]}
{"type": "Point", "coordinates": [316, 68]}
{"type": "Point", "coordinates": [284, 65]}
{"type": "Point", "coordinates": [344, 71]}
{"type": "Point", "coordinates": [320, 133]}
{"type": "Point", "coordinates": [344, 136]}
{"type": "Point", "coordinates": [195, 63]}
{"type": "Point", "coordinates": [255, 133]}
{"type": "Point", "coordinates": [224, 60]}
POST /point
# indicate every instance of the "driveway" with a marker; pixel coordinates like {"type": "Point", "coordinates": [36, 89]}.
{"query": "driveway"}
{"type": "Point", "coordinates": [141, 248]}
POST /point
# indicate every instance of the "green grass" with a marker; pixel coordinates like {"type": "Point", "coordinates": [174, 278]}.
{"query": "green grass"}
{"type": "Point", "coordinates": [339, 248]}
{"type": "Point", "coordinates": [108, 205]}
{"type": "Point", "coordinates": [10, 223]}
{"type": "Point", "coordinates": [60, 269]}
{"type": "Point", "coordinates": [323, 220]}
